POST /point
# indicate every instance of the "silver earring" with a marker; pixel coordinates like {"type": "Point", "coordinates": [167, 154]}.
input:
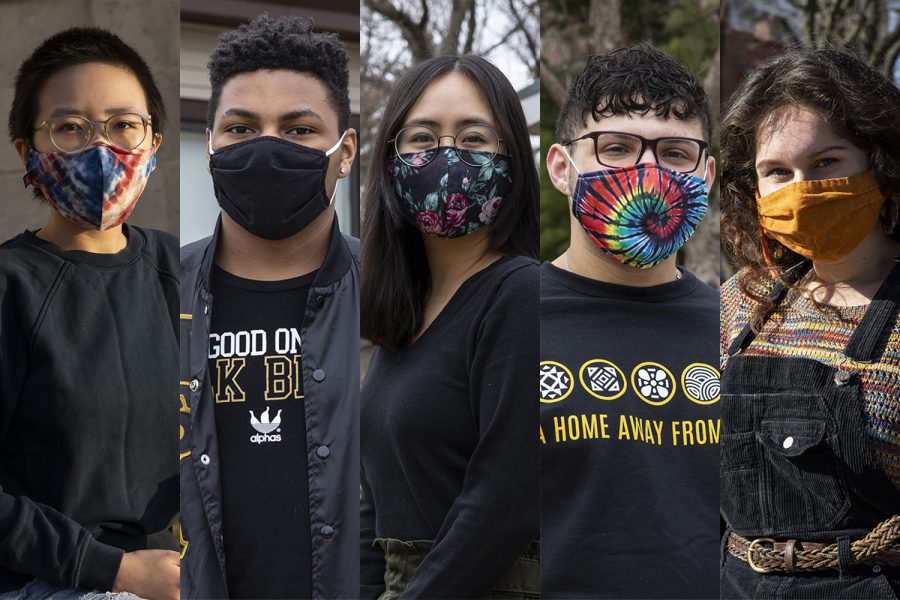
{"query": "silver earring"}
{"type": "Point", "coordinates": [343, 170]}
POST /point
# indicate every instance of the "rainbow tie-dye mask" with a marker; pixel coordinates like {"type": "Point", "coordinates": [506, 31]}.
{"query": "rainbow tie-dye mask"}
{"type": "Point", "coordinates": [96, 188]}
{"type": "Point", "coordinates": [640, 215]}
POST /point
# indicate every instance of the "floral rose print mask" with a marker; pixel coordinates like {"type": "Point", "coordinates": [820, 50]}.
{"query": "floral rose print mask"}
{"type": "Point", "coordinates": [445, 197]}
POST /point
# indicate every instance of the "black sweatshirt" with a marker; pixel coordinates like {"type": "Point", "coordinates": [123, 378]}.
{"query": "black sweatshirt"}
{"type": "Point", "coordinates": [629, 438]}
{"type": "Point", "coordinates": [448, 438]}
{"type": "Point", "coordinates": [88, 407]}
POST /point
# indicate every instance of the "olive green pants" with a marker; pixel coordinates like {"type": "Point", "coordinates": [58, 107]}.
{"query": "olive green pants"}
{"type": "Point", "coordinates": [521, 581]}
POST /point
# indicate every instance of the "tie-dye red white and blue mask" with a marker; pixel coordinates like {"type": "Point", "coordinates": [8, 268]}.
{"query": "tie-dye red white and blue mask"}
{"type": "Point", "coordinates": [640, 215]}
{"type": "Point", "coordinates": [96, 188]}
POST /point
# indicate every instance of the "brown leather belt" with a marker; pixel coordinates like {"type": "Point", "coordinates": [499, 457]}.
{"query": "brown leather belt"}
{"type": "Point", "coordinates": [881, 546]}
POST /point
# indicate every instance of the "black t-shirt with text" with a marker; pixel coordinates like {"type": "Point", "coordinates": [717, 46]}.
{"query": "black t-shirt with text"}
{"type": "Point", "coordinates": [629, 438]}
{"type": "Point", "coordinates": [254, 365]}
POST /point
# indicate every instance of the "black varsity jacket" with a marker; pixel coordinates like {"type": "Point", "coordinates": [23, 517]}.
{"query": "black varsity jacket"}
{"type": "Point", "coordinates": [331, 389]}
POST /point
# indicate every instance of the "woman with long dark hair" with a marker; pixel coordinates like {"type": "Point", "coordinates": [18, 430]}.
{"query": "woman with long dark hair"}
{"type": "Point", "coordinates": [449, 297]}
{"type": "Point", "coordinates": [810, 461]}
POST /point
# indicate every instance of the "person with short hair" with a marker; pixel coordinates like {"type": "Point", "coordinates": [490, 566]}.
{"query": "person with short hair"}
{"type": "Point", "coordinates": [810, 338]}
{"type": "Point", "coordinates": [88, 338]}
{"type": "Point", "coordinates": [270, 328]}
{"type": "Point", "coordinates": [628, 379]}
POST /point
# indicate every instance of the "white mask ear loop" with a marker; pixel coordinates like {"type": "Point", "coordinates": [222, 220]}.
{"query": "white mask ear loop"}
{"type": "Point", "coordinates": [572, 162]}
{"type": "Point", "coordinates": [334, 193]}
{"type": "Point", "coordinates": [329, 153]}
{"type": "Point", "coordinates": [566, 152]}
{"type": "Point", "coordinates": [331, 150]}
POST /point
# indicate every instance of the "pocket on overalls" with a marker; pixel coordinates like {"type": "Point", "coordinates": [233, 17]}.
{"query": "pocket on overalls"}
{"type": "Point", "coordinates": [739, 489]}
{"type": "Point", "coordinates": [802, 478]}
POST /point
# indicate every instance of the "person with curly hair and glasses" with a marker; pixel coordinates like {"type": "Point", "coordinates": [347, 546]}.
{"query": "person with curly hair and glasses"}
{"type": "Point", "coordinates": [629, 386]}
{"type": "Point", "coordinates": [450, 299]}
{"type": "Point", "coordinates": [810, 339]}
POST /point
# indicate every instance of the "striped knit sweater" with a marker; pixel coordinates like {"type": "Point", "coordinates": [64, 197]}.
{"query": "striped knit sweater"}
{"type": "Point", "coordinates": [797, 328]}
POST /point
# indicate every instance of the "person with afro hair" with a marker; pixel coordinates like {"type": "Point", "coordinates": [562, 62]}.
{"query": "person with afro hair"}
{"type": "Point", "coordinates": [270, 499]}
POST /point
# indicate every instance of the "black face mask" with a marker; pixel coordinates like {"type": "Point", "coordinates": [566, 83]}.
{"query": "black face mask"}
{"type": "Point", "coordinates": [270, 187]}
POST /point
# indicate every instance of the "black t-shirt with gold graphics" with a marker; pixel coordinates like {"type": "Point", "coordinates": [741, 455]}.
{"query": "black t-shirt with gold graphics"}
{"type": "Point", "coordinates": [629, 438]}
{"type": "Point", "coordinates": [254, 365]}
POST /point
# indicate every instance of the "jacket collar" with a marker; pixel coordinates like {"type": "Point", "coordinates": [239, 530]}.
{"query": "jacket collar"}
{"type": "Point", "coordinates": [337, 259]}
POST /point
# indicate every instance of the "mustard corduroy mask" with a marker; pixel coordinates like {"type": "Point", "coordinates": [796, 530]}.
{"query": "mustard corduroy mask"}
{"type": "Point", "coordinates": [822, 220]}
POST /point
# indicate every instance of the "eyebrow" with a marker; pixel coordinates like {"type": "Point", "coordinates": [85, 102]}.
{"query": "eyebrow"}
{"type": "Point", "coordinates": [435, 125]}
{"type": "Point", "coordinates": [300, 114]}
{"type": "Point", "coordinates": [64, 111]}
{"type": "Point", "coordinates": [764, 164]}
{"type": "Point", "coordinates": [240, 112]}
{"type": "Point", "coordinates": [620, 136]}
{"type": "Point", "coordinates": [288, 116]}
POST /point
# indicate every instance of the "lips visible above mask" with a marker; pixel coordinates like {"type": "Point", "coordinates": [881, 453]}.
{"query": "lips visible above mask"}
{"type": "Point", "coordinates": [824, 219]}
{"type": "Point", "coordinates": [640, 215]}
{"type": "Point", "coordinates": [96, 188]}
{"type": "Point", "coordinates": [447, 197]}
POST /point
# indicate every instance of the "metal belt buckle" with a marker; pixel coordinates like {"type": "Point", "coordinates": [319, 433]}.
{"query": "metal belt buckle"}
{"type": "Point", "coordinates": [753, 565]}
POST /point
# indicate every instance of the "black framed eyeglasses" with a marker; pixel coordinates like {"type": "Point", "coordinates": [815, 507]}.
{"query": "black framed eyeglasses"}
{"type": "Point", "coordinates": [417, 145]}
{"type": "Point", "coordinates": [619, 149]}
{"type": "Point", "coordinates": [72, 133]}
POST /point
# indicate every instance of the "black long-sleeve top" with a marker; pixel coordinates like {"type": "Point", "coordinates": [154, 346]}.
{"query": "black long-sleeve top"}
{"type": "Point", "coordinates": [88, 407]}
{"type": "Point", "coordinates": [449, 438]}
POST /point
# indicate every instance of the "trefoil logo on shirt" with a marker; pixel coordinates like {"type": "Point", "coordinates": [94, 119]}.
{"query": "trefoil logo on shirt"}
{"type": "Point", "coordinates": [265, 427]}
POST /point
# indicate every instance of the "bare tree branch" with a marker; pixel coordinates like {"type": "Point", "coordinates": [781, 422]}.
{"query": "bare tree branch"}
{"type": "Point", "coordinates": [882, 50]}
{"type": "Point", "coordinates": [811, 8]}
{"type": "Point", "coordinates": [470, 35]}
{"type": "Point", "coordinates": [532, 45]}
{"type": "Point", "coordinates": [856, 22]}
{"type": "Point", "coordinates": [423, 22]}
{"type": "Point", "coordinates": [711, 83]}
{"type": "Point", "coordinates": [872, 12]}
{"type": "Point", "coordinates": [833, 18]}
{"type": "Point", "coordinates": [502, 40]}
{"type": "Point", "coordinates": [891, 59]}
{"type": "Point", "coordinates": [605, 25]}
{"type": "Point", "coordinates": [458, 12]}
{"type": "Point", "coordinates": [415, 33]}
{"type": "Point", "coordinates": [552, 83]}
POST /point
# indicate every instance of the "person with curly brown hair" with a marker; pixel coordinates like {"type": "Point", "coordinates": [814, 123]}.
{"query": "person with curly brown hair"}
{"type": "Point", "coordinates": [810, 338]}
